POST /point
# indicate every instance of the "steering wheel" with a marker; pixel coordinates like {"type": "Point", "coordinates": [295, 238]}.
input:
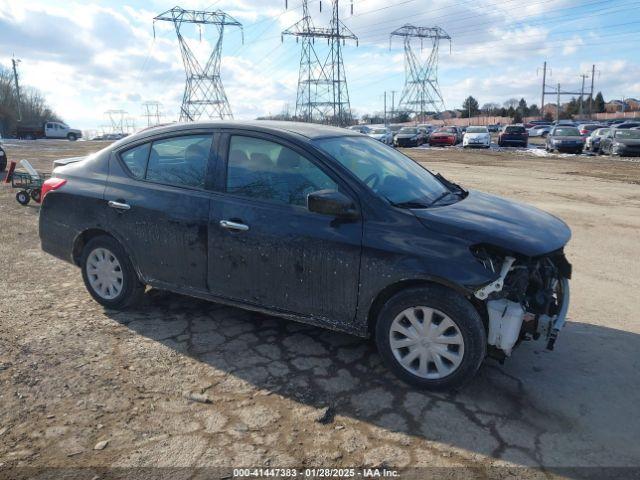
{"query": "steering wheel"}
{"type": "Point", "coordinates": [374, 178]}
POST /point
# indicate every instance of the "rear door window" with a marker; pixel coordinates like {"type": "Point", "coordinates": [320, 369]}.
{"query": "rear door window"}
{"type": "Point", "coordinates": [180, 161]}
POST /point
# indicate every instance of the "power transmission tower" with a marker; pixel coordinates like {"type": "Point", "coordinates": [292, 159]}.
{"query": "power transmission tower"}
{"type": "Point", "coordinates": [15, 63]}
{"type": "Point", "coordinates": [421, 90]}
{"type": "Point", "coordinates": [151, 111]}
{"type": "Point", "coordinates": [323, 95]}
{"type": "Point", "coordinates": [204, 95]}
{"type": "Point", "coordinates": [116, 120]}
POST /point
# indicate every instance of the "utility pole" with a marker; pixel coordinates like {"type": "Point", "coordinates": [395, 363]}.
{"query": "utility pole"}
{"type": "Point", "coordinates": [544, 83]}
{"type": "Point", "coordinates": [593, 75]}
{"type": "Point", "coordinates": [558, 105]}
{"type": "Point", "coordinates": [15, 62]}
{"type": "Point", "coordinates": [421, 87]}
{"type": "Point", "coordinates": [584, 77]}
{"type": "Point", "coordinates": [204, 95]}
{"type": "Point", "coordinates": [393, 103]}
{"type": "Point", "coordinates": [385, 109]}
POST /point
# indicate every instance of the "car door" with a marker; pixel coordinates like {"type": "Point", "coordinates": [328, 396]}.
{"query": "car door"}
{"type": "Point", "coordinates": [158, 206]}
{"type": "Point", "coordinates": [266, 248]}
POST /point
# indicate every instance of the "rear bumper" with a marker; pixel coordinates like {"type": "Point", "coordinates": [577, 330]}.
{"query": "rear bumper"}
{"type": "Point", "coordinates": [57, 239]}
{"type": "Point", "coordinates": [437, 141]}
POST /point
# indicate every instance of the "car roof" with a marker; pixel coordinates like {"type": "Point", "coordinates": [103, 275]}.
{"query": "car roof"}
{"type": "Point", "coordinates": [297, 129]}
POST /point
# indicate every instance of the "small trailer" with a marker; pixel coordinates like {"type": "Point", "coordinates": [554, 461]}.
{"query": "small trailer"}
{"type": "Point", "coordinates": [28, 183]}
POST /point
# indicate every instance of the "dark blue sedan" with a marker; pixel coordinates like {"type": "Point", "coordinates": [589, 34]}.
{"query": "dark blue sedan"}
{"type": "Point", "coordinates": [316, 224]}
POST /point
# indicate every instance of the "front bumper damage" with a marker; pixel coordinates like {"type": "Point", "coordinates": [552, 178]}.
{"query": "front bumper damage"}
{"type": "Point", "coordinates": [528, 300]}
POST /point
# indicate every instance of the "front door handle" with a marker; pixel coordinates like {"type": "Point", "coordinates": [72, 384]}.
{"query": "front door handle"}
{"type": "Point", "coordinates": [238, 227]}
{"type": "Point", "coordinates": [119, 205]}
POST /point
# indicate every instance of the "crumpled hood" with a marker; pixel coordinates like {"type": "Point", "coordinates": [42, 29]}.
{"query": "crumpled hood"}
{"type": "Point", "coordinates": [484, 218]}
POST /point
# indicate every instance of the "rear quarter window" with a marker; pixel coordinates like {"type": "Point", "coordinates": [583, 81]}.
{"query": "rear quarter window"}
{"type": "Point", "coordinates": [135, 160]}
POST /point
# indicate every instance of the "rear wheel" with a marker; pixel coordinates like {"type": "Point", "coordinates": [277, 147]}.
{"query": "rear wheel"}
{"type": "Point", "coordinates": [23, 197]}
{"type": "Point", "coordinates": [109, 275]}
{"type": "Point", "coordinates": [431, 338]}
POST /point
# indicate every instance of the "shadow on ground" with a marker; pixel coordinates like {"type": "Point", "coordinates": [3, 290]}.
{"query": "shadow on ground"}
{"type": "Point", "coordinates": [569, 407]}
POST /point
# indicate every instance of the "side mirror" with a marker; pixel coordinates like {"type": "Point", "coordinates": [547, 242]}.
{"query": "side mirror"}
{"type": "Point", "coordinates": [331, 202]}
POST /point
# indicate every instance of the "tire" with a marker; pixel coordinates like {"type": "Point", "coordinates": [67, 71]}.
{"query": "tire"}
{"type": "Point", "coordinates": [72, 137]}
{"type": "Point", "coordinates": [119, 273]}
{"type": "Point", "coordinates": [23, 197]}
{"type": "Point", "coordinates": [447, 306]}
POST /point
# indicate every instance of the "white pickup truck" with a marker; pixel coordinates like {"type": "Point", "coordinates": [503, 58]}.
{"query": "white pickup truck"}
{"type": "Point", "coordinates": [48, 130]}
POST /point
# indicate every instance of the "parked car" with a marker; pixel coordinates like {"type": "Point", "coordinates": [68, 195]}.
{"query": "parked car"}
{"type": "Point", "coordinates": [382, 134]}
{"type": "Point", "coordinates": [539, 122]}
{"type": "Point", "coordinates": [565, 139]}
{"type": "Point", "coordinates": [592, 143]}
{"type": "Point", "coordinates": [410, 137]}
{"type": "Point", "coordinates": [539, 131]}
{"type": "Point", "coordinates": [566, 123]}
{"type": "Point", "coordinates": [3, 160]}
{"type": "Point", "coordinates": [493, 128]}
{"type": "Point", "coordinates": [623, 142]}
{"type": "Point", "coordinates": [359, 128]}
{"type": "Point", "coordinates": [444, 136]}
{"type": "Point", "coordinates": [476, 137]}
{"type": "Point", "coordinates": [627, 125]}
{"type": "Point", "coordinates": [587, 128]}
{"type": "Point", "coordinates": [513, 135]}
{"type": "Point", "coordinates": [47, 130]}
{"type": "Point", "coordinates": [315, 224]}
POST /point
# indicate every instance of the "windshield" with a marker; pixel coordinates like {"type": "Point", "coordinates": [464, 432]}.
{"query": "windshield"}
{"type": "Point", "coordinates": [384, 170]}
{"type": "Point", "coordinates": [566, 132]}
{"type": "Point", "coordinates": [447, 130]}
{"type": "Point", "coordinates": [514, 129]}
{"type": "Point", "coordinates": [379, 131]}
{"type": "Point", "coordinates": [477, 130]}
{"type": "Point", "coordinates": [408, 130]}
{"type": "Point", "coordinates": [634, 134]}
{"type": "Point", "coordinates": [600, 132]}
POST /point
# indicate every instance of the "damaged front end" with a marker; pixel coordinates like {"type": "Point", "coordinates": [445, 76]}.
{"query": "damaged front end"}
{"type": "Point", "coordinates": [529, 298]}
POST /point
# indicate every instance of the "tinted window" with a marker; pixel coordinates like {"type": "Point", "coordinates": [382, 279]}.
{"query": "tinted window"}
{"type": "Point", "coordinates": [408, 130]}
{"type": "Point", "coordinates": [383, 169]}
{"type": "Point", "coordinates": [514, 129]}
{"type": "Point", "coordinates": [180, 161]}
{"type": "Point", "coordinates": [269, 171]}
{"type": "Point", "coordinates": [566, 132]}
{"type": "Point", "coordinates": [136, 159]}
{"type": "Point", "coordinates": [477, 130]}
{"type": "Point", "coordinates": [447, 130]}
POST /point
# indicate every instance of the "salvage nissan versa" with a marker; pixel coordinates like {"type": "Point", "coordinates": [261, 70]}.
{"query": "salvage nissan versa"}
{"type": "Point", "coordinates": [317, 224]}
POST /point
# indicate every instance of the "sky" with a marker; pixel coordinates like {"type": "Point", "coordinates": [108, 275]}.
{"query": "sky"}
{"type": "Point", "coordinates": [90, 57]}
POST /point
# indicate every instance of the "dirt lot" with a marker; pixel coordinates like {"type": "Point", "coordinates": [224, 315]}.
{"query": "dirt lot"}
{"type": "Point", "coordinates": [73, 375]}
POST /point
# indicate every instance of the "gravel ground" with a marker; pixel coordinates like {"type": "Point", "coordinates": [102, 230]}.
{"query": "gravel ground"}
{"type": "Point", "coordinates": [185, 383]}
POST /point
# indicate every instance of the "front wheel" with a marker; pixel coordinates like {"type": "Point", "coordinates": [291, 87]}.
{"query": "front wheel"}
{"type": "Point", "coordinates": [72, 137]}
{"type": "Point", "coordinates": [431, 338]}
{"type": "Point", "coordinates": [109, 275]}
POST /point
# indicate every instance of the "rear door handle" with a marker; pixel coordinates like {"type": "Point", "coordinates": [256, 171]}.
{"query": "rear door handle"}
{"type": "Point", "coordinates": [238, 227]}
{"type": "Point", "coordinates": [119, 205]}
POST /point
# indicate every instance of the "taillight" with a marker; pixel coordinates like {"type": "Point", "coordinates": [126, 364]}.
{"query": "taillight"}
{"type": "Point", "coordinates": [584, 132]}
{"type": "Point", "coordinates": [51, 184]}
